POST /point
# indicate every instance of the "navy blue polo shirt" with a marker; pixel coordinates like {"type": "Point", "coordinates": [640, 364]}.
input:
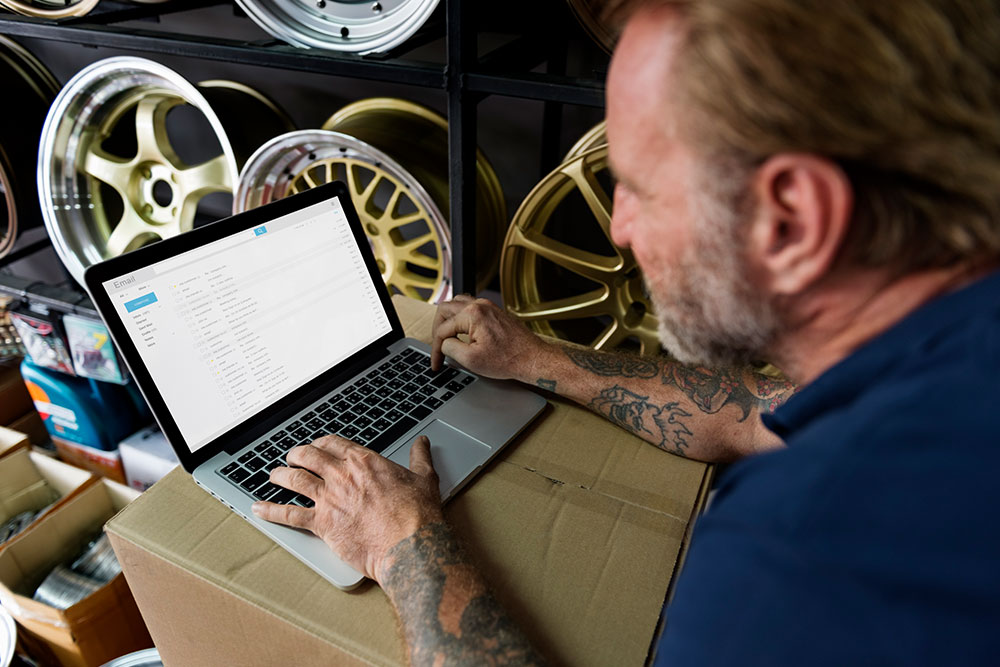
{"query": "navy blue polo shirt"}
{"type": "Point", "coordinates": [874, 538]}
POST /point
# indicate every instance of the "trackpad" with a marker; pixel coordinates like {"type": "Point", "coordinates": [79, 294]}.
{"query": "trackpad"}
{"type": "Point", "coordinates": [455, 454]}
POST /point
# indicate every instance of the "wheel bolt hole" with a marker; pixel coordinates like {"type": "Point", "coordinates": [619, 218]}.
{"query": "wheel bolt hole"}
{"type": "Point", "coordinates": [377, 7]}
{"type": "Point", "coordinates": [344, 32]}
{"type": "Point", "coordinates": [321, 3]}
{"type": "Point", "coordinates": [634, 314]}
{"type": "Point", "coordinates": [372, 229]}
{"type": "Point", "coordinates": [163, 194]}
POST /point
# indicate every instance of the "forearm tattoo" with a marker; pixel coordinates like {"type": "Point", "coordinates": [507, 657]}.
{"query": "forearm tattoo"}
{"type": "Point", "coordinates": [712, 389]}
{"type": "Point", "coordinates": [660, 425]}
{"type": "Point", "coordinates": [449, 616]}
{"type": "Point", "coordinates": [613, 365]}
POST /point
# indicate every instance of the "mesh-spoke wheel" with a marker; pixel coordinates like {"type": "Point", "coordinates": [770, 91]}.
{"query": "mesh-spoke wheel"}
{"type": "Point", "coordinates": [110, 178]}
{"type": "Point", "coordinates": [394, 156]}
{"type": "Point", "coordinates": [47, 9]}
{"type": "Point", "coordinates": [32, 86]}
{"type": "Point", "coordinates": [407, 231]}
{"type": "Point", "coordinates": [352, 26]}
{"type": "Point", "coordinates": [560, 272]}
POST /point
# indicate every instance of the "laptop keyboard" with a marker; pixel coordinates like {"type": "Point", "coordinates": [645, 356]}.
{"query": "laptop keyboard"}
{"type": "Point", "coordinates": [374, 411]}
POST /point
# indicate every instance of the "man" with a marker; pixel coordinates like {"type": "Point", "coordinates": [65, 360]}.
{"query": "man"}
{"type": "Point", "coordinates": [812, 183]}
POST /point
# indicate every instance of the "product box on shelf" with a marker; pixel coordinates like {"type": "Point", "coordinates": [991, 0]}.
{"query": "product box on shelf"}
{"type": "Point", "coordinates": [578, 526]}
{"type": "Point", "coordinates": [146, 457]}
{"type": "Point", "coordinates": [102, 626]}
{"type": "Point", "coordinates": [32, 482]}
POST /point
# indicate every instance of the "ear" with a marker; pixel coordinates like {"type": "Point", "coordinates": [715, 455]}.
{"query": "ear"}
{"type": "Point", "coordinates": [804, 205]}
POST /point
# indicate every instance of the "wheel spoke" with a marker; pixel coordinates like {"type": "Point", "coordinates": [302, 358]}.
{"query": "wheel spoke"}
{"type": "Point", "coordinates": [424, 261]}
{"type": "Point", "coordinates": [151, 129]}
{"type": "Point", "coordinates": [597, 200]}
{"type": "Point", "coordinates": [308, 179]}
{"type": "Point", "coordinates": [125, 234]}
{"type": "Point", "coordinates": [211, 176]}
{"type": "Point", "coordinates": [589, 265]}
{"type": "Point", "coordinates": [108, 169]}
{"type": "Point", "coordinates": [409, 245]}
{"type": "Point", "coordinates": [589, 304]}
{"type": "Point", "coordinates": [612, 335]}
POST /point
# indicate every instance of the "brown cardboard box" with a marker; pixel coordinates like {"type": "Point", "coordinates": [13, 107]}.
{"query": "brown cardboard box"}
{"type": "Point", "coordinates": [12, 439]}
{"type": "Point", "coordinates": [578, 527]}
{"type": "Point", "coordinates": [14, 398]}
{"type": "Point", "coordinates": [31, 424]}
{"type": "Point", "coordinates": [102, 462]}
{"type": "Point", "coordinates": [27, 480]}
{"type": "Point", "coordinates": [99, 628]}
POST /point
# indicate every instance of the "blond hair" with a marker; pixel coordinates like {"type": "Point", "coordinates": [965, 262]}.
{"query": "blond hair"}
{"type": "Point", "coordinates": [902, 94]}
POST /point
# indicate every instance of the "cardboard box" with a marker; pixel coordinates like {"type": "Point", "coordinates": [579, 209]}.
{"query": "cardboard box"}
{"type": "Point", "coordinates": [14, 398]}
{"type": "Point", "coordinates": [99, 628]}
{"type": "Point", "coordinates": [105, 463]}
{"type": "Point", "coordinates": [146, 457]}
{"type": "Point", "coordinates": [28, 480]}
{"type": "Point", "coordinates": [12, 439]}
{"type": "Point", "coordinates": [31, 424]}
{"type": "Point", "coordinates": [578, 526]}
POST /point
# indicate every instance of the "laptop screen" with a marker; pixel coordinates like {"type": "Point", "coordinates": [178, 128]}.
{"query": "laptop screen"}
{"type": "Point", "coordinates": [231, 327]}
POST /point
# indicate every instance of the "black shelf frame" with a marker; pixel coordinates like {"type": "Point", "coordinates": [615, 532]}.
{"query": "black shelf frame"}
{"type": "Point", "coordinates": [465, 77]}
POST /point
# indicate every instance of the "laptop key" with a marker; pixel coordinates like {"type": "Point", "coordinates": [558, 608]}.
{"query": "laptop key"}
{"type": "Point", "coordinates": [278, 436]}
{"type": "Point", "coordinates": [286, 443]}
{"type": "Point", "coordinates": [433, 403]}
{"type": "Point", "coordinates": [421, 380]}
{"type": "Point", "coordinates": [256, 463]}
{"type": "Point", "coordinates": [293, 425]}
{"type": "Point", "coordinates": [327, 415]}
{"type": "Point", "coordinates": [392, 434]}
{"type": "Point", "coordinates": [372, 401]}
{"type": "Point", "coordinates": [301, 433]}
{"type": "Point", "coordinates": [406, 376]}
{"type": "Point", "coordinates": [400, 395]}
{"type": "Point", "coordinates": [384, 392]}
{"type": "Point", "coordinates": [381, 424]}
{"type": "Point", "coordinates": [315, 423]}
{"type": "Point", "coordinates": [395, 384]}
{"type": "Point", "coordinates": [283, 497]}
{"type": "Point", "coordinates": [276, 463]}
{"type": "Point", "coordinates": [335, 426]}
{"type": "Point", "coordinates": [303, 501]}
{"type": "Point", "coordinates": [368, 434]}
{"type": "Point", "coordinates": [394, 415]}
{"type": "Point", "coordinates": [255, 480]}
{"type": "Point", "coordinates": [262, 446]}
{"type": "Point", "coordinates": [428, 389]}
{"type": "Point", "coordinates": [353, 398]}
{"type": "Point", "coordinates": [307, 416]}
{"type": "Point", "coordinates": [420, 412]}
{"type": "Point", "coordinates": [246, 457]}
{"type": "Point", "coordinates": [443, 377]}
{"type": "Point", "coordinates": [271, 453]}
{"type": "Point", "coordinates": [239, 475]}
{"type": "Point", "coordinates": [266, 491]}
{"type": "Point", "coordinates": [405, 406]}
{"type": "Point", "coordinates": [362, 421]}
{"type": "Point", "coordinates": [375, 413]}
{"type": "Point", "coordinates": [390, 374]}
{"type": "Point", "coordinates": [387, 404]}
{"type": "Point", "coordinates": [231, 467]}
{"type": "Point", "coordinates": [367, 390]}
{"type": "Point", "coordinates": [350, 431]}
{"type": "Point", "coordinates": [447, 396]}
{"type": "Point", "coordinates": [454, 386]}
{"type": "Point", "coordinates": [410, 388]}
{"type": "Point", "coordinates": [325, 405]}
{"type": "Point", "coordinates": [341, 406]}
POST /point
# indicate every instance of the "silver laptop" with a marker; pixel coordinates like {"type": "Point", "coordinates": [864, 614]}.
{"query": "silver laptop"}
{"type": "Point", "coordinates": [273, 327]}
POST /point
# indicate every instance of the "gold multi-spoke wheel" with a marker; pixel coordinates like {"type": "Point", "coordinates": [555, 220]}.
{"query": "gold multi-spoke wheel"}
{"type": "Point", "coordinates": [561, 273]}
{"type": "Point", "coordinates": [393, 156]}
{"type": "Point", "coordinates": [111, 176]}
{"type": "Point", "coordinates": [32, 86]}
{"type": "Point", "coordinates": [49, 9]}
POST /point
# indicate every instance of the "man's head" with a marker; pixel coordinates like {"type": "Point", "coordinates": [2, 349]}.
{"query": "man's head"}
{"type": "Point", "coordinates": [763, 145]}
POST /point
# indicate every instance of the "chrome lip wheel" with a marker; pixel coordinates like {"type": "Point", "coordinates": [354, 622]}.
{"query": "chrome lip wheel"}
{"type": "Point", "coordinates": [353, 26]}
{"type": "Point", "coordinates": [159, 192]}
{"type": "Point", "coordinates": [49, 10]}
{"type": "Point", "coordinates": [407, 232]}
{"type": "Point", "coordinates": [32, 87]}
{"type": "Point", "coordinates": [584, 289]}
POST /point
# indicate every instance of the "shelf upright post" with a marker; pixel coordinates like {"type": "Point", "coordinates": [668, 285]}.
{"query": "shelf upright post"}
{"type": "Point", "coordinates": [462, 112]}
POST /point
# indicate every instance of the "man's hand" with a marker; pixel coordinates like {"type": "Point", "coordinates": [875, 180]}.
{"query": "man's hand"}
{"type": "Point", "coordinates": [365, 503]}
{"type": "Point", "coordinates": [499, 346]}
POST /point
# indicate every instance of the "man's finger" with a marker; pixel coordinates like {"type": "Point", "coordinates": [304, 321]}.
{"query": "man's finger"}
{"type": "Point", "coordinates": [288, 515]}
{"type": "Point", "coordinates": [298, 480]}
{"type": "Point", "coordinates": [446, 312]}
{"type": "Point", "coordinates": [312, 458]}
{"type": "Point", "coordinates": [335, 445]}
{"type": "Point", "coordinates": [420, 457]}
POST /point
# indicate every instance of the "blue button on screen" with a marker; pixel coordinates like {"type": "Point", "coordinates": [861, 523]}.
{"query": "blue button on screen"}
{"type": "Point", "coordinates": [141, 302]}
{"type": "Point", "coordinates": [260, 230]}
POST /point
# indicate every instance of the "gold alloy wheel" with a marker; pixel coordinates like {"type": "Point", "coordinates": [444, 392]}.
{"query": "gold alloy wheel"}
{"type": "Point", "coordinates": [417, 138]}
{"type": "Point", "coordinates": [393, 156]}
{"type": "Point", "coordinates": [49, 10]}
{"type": "Point", "coordinates": [109, 176]}
{"type": "Point", "coordinates": [560, 272]}
{"type": "Point", "coordinates": [408, 234]}
{"type": "Point", "coordinates": [33, 87]}
{"type": "Point", "coordinates": [588, 14]}
{"type": "Point", "coordinates": [594, 137]}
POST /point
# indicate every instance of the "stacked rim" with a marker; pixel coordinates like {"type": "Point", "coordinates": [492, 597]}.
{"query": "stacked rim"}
{"type": "Point", "coordinates": [561, 273]}
{"type": "Point", "coordinates": [353, 26]}
{"type": "Point", "coordinates": [33, 87]}
{"type": "Point", "coordinates": [392, 154]}
{"type": "Point", "coordinates": [110, 178]}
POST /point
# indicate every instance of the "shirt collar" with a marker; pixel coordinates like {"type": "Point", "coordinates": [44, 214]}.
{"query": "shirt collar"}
{"type": "Point", "coordinates": [849, 377]}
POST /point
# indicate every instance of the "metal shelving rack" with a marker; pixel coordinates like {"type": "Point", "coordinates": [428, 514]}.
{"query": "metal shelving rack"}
{"type": "Point", "coordinates": [465, 77]}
